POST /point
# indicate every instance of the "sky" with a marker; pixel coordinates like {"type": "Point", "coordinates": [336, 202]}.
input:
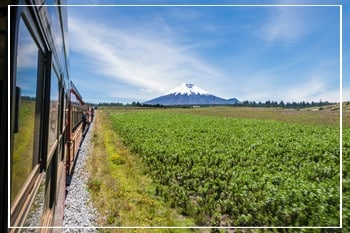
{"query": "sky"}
{"type": "Point", "coordinates": [256, 53]}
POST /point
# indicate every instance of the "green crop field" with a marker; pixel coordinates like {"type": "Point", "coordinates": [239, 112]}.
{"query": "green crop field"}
{"type": "Point", "coordinates": [228, 171]}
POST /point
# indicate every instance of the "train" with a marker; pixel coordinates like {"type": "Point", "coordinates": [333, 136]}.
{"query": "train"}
{"type": "Point", "coordinates": [48, 116]}
{"type": "Point", "coordinates": [3, 118]}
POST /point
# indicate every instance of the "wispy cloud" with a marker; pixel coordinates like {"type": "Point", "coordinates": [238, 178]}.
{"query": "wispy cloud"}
{"type": "Point", "coordinates": [313, 85]}
{"type": "Point", "coordinates": [284, 24]}
{"type": "Point", "coordinates": [27, 52]}
{"type": "Point", "coordinates": [153, 63]}
{"type": "Point", "coordinates": [311, 90]}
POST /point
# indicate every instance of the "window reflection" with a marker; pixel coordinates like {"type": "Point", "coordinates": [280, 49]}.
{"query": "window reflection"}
{"type": "Point", "coordinates": [76, 112]}
{"type": "Point", "coordinates": [53, 110]}
{"type": "Point", "coordinates": [26, 80]}
{"type": "Point", "coordinates": [56, 28]}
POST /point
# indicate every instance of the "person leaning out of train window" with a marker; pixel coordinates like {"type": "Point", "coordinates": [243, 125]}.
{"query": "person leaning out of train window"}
{"type": "Point", "coordinates": [92, 114]}
{"type": "Point", "coordinates": [83, 119]}
{"type": "Point", "coordinates": [88, 117]}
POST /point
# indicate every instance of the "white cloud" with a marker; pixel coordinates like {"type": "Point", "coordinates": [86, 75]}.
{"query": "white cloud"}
{"type": "Point", "coordinates": [150, 63]}
{"type": "Point", "coordinates": [313, 88]}
{"type": "Point", "coordinates": [285, 24]}
{"type": "Point", "coordinates": [27, 53]}
{"type": "Point", "coordinates": [146, 90]}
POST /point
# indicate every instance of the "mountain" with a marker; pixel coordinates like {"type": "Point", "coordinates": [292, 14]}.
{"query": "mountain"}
{"type": "Point", "coordinates": [189, 94]}
{"type": "Point", "coordinates": [233, 101]}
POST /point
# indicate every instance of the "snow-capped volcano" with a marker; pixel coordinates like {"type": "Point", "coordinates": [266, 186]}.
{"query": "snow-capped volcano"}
{"type": "Point", "coordinates": [189, 94]}
{"type": "Point", "coordinates": [188, 89]}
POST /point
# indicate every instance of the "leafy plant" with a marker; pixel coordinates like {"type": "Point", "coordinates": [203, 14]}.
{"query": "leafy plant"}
{"type": "Point", "coordinates": [239, 172]}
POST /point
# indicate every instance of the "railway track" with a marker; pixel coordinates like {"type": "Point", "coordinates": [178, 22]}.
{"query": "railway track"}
{"type": "Point", "coordinates": [79, 214]}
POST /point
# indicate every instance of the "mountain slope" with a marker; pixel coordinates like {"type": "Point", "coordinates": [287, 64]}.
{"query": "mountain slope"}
{"type": "Point", "coordinates": [189, 94]}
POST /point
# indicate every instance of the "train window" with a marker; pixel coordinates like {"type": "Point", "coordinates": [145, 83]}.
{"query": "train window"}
{"type": "Point", "coordinates": [56, 28]}
{"type": "Point", "coordinates": [53, 120]}
{"type": "Point", "coordinates": [62, 136]}
{"type": "Point", "coordinates": [25, 145]}
{"type": "Point", "coordinates": [76, 112]}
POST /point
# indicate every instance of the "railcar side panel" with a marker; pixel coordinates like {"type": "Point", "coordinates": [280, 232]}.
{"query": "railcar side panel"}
{"type": "Point", "coordinates": [40, 92]}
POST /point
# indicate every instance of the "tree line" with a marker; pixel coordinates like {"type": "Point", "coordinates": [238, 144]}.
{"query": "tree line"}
{"type": "Point", "coordinates": [246, 103]}
{"type": "Point", "coordinates": [282, 104]}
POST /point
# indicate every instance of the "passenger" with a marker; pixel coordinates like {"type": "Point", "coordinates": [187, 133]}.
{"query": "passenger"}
{"type": "Point", "coordinates": [92, 114]}
{"type": "Point", "coordinates": [83, 119]}
{"type": "Point", "coordinates": [88, 117]}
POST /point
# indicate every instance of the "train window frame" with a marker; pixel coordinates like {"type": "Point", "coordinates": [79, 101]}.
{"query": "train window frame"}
{"type": "Point", "coordinates": [61, 106]}
{"type": "Point", "coordinates": [61, 119]}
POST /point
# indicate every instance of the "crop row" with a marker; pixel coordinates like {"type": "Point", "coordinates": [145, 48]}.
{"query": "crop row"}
{"type": "Point", "coordinates": [239, 172]}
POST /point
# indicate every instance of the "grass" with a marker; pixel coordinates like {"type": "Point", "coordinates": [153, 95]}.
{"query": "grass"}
{"type": "Point", "coordinates": [304, 116]}
{"type": "Point", "coordinates": [327, 115]}
{"type": "Point", "coordinates": [120, 187]}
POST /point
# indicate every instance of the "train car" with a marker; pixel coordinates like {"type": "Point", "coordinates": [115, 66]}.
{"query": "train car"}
{"type": "Point", "coordinates": [46, 124]}
{"type": "Point", "coordinates": [77, 126]}
{"type": "Point", "coordinates": [3, 117]}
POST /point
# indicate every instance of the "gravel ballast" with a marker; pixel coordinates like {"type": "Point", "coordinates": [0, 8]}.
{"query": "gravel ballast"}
{"type": "Point", "coordinates": [79, 214]}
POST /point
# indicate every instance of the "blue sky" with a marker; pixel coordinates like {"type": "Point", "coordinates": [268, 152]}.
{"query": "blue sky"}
{"type": "Point", "coordinates": [136, 53]}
